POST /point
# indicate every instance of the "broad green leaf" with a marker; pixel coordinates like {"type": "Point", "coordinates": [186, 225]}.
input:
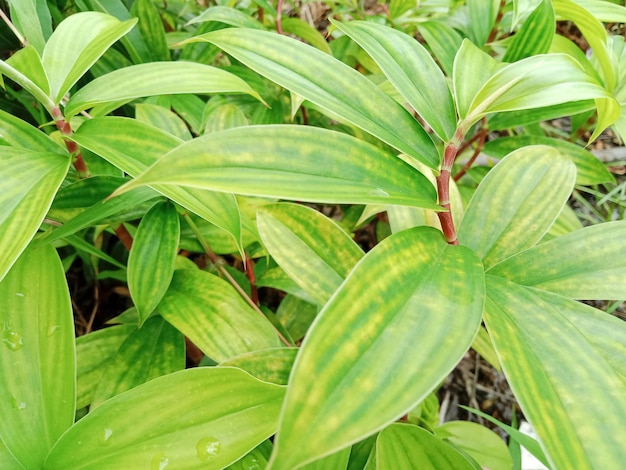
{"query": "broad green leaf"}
{"type": "Point", "coordinates": [29, 183]}
{"type": "Point", "coordinates": [37, 385]}
{"type": "Point", "coordinates": [605, 11]}
{"type": "Point", "coordinates": [479, 442]}
{"type": "Point", "coordinates": [7, 461]}
{"type": "Point", "coordinates": [412, 71]}
{"type": "Point", "coordinates": [268, 365]}
{"type": "Point", "coordinates": [472, 69]}
{"type": "Point", "coordinates": [32, 19]}
{"type": "Point", "coordinates": [535, 35]}
{"type": "Point", "coordinates": [152, 257]}
{"type": "Point", "coordinates": [336, 461]}
{"type": "Point", "coordinates": [593, 273]}
{"type": "Point", "coordinates": [256, 459]}
{"type": "Point", "coordinates": [527, 441]}
{"type": "Point", "coordinates": [277, 279]}
{"type": "Point", "coordinates": [595, 34]}
{"type": "Point", "coordinates": [155, 349]}
{"type": "Point", "coordinates": [590, 170]}
{"type": "Point", "coordinates": [225, 117]}
{"type": "Point", "coordinates": [526, 192]}
{"type": "Point", "coordinates": [482, 17]}
{"type": "Point", "coordinates": [296, 315]}
{"type": "Point", "coordinates": [443, 41]}
{"type": "Point", "coordinates": [214, 317]}
{"type": "Point", "coordinates": [305, 31]}
{"type": "Point", "coordinates": [162, 118]}
{"type": "Point", "coordinates": [17, 133]}
{"type": "Point", "coordinates": [366, 360]}
{"type": "Point", "coordinates": [150, 25]}
{"type": "Point", "coordinates": [330, 84]}
{"type": "Point", "coordinates": [541, 80]}
{"type": "Point", "coordinates": [190, 108]}
{"type": "Point", "coordinates": [312, 249]}
{"type": "Point", "coordinates": [158, 78]}
{"type": "Point", "coordinates": [564, 362]}
{"type": "Point", "coordinates": [133, 42]}
{"type": "Point", "coordinates": [410, 447]}
{"type": "Point", "coordinates": [28, 62]}
{"type": "Point", "coordinates": [133, 147]}
{"type": "Point", "coordinates": [76, 44]}
{"type": "Point", "coordinates": [93, 352]}
{"type": "Point", "coordinates": [118, 209]}
{"type": "Point", "coordinates": [514, 119]}
{"type": "Point", "coordinates": [227, 15]}
{"type": "Point", "coordinates": [259, 161]}
{"type": "Point", "coordinates": [192, 419]}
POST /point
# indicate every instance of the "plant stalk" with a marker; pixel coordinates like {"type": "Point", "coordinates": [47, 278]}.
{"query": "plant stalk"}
{"type": "Point", "coordinates": [443, 189]}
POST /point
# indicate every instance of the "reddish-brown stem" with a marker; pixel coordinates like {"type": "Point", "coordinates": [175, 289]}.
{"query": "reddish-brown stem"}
{"type": "Point", "coordinates": [254, 292]}
{"type": "Point", "coordinates": [467, 143]}
{"type": "Point", "coordinates": [66, 130]}
{"type": "Point", "coordinates": [443, 189]}
{"type": "Point", "coordinates": [279, 14]}
{"type": "Point", "coordinates": [124, 235]}
{"type": "Point", "coordinates": [494, 31]}
{"type": "Point", "coordinates": [482, 135]}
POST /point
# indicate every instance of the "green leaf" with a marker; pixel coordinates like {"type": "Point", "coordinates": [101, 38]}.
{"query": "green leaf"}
{"type": "Point", "coordinates": [227, 15]}
{"type": "Point", "coordinates": [93, 352]}
{"type": "Point", "coordinates": [214, 317]}
{"type": "Point", "coordinates": [155, 349]}
{"type": "Point", "coordinates": [541, 80]}
{"type": "Point", "coordinates": [225, 117]}
{"type": "Point", "coordinates": [162, 118]}
{"type": "Point", "coordinates": [259, 161]}
{"type": "Point", "coordinates": [595, 34]}
{"type": "Point", "coordinates": [330, 84]}
{"type": "Point", "coordinates": [305, 31]}
{"type": "Point", "coordinates": [479, 442]}
{"type": "Point", "coordinates": [336, 461]}
{"type": "Point", "coordinates": [594, 273]}
{"type": "Point", "coordinates": [590, 170]}
{"type": "Point", "coordinates": [152, 257]}
{"type": "Point", "coordinates": [411, 70]}
{"type": "Point", "coordinates": [564, 362]}
{"type": "Point", "coordinates": [133, 147]}
{"type": "Point", "coordinates": [410, 447]}
{"type": "Point", "coordinates": [268, 365]}
{"type": "Point", "coordinates": [28, 62]}
{"type": "Point", "coordinates": [30, 181]}
{"type": "Point", "coordinates": [189, 419]}
{"type": "Point", "coordinates": [313, 250]}
{"type": "Point", "coordinates": [514, 119]}
{"type": "Point", "coordinates": [17, 133]}
{"type": "Point", "coordinates": [482, 17]}
{"type": "Point", "coordinates": [158, 78]}
{"type": "Point", "coordinates": [366, 360]}
{"type": "Point", "coordinates": [525, 192]}
{"type": "Point", "coordinates": [32, 19]}
{"type": "Point", "coordinates": [76, 44]}
{"type": "Point", "coordinates": [37, 385]}
{"type": "Point", "coordinates": [7, 461]}
{"type": "Point", "coordinates": [443, 41]}
{"type": "Point", "coordinates": [535, 35]}
{"type": "Point", "coordinates": [150, 25]}
{"type": "Point", "coordinates": [472, 69]}
{"type": "Point", "coordinates": [101, 212]}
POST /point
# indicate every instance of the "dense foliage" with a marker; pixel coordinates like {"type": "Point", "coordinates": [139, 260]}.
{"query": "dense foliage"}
{"type": "Point", "coordinates": [215, 163]}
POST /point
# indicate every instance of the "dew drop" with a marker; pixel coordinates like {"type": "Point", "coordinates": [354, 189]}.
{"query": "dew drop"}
{"type": "Point", "coordinates": [104, 438]}
{"type": "Point", "coordinates": [379, 192]}
{"type": "Point", "coordinates": [52, 329]}
{"type": "Point", "coordinates": [19, 294]}
{"type": "Point", "coordinates": [250, 462]}
{"type": "Point", "coordinates": [12, 339]}
{"type": "Point", "coordinates": [160, 461]}
{"type": "Point", "coordinates": [208, 448]}
{"type": "Point", "coordinates": [18, 405]}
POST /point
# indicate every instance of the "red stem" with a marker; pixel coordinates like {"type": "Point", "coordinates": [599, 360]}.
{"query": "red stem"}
{"type": "Point", "coordinates": [279, 13]}
{"type": "Point", "coordinates": [66, 130]}
{"type": "Point", "coordinates": [483, 135]}
{"type": "Point", "coordinates": [443, 189]}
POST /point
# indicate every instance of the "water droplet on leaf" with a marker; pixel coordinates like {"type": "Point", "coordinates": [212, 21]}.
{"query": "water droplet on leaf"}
{"type": "Point", "coordinates": [159, 462]}
{"type": "Point", "coordinates": [12, 339]}
{"type": "Point", "coordinates": [18, 404]}
{"type": "Point", "coordinates": [19, 294]}
{"type": "Point", "coordinates": [207, 448]}
{"type": "Point", "coordinates": [379, 192]}
{"type": "Point", "coordinates": [104, 438]}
